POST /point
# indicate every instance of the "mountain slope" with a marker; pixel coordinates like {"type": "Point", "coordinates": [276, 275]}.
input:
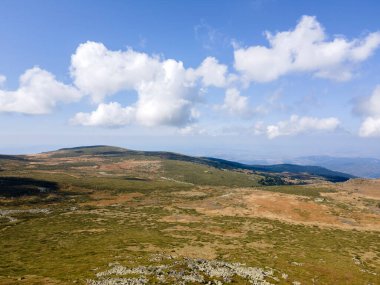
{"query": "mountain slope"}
{"type": "Point", "coordinates": [292, 171]}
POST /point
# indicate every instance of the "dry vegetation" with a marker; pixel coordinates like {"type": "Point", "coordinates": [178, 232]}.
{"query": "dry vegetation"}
{"type": "Point", "coordinates": [135, 220]}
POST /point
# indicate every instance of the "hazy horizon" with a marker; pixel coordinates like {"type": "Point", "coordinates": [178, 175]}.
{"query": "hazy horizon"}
{"type": "Point", "coordinates": [219, 148]}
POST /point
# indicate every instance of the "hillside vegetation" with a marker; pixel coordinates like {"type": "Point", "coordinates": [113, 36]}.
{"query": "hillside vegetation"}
{"type": "Point", "coordinates": [104, 215]}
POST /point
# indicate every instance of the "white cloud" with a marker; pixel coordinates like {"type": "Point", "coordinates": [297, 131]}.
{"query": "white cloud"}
{"type": "Point", "coordinates": [370, 127]}
{"type": "Point", "coordinates": [38, 93]}
{"type": "Point", "coordinates": [304, 49]}
{"type": "Point", "coordinates": [369, 107]}
{"type": "Point", "coordinates": [167, 92]}
{"type": "Point", "coordinates": [212, 72]}
{"type": "Point", "coordinates": [161, 102]}
{"type": "Point", "coordinates": [106, 115]}
{"type": "Point", "coordinates": [234, 103]}
{"type": "Point", "coordinates": [297, 125]}
{"type": "Point", "coordinates": [99, 72]}
{"type": "Point", "coordinates": [169, 99]}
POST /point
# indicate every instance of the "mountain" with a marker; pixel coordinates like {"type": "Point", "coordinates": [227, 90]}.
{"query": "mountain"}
{"type": "Point", "coordinates": [357, 166]}
{"type": "Point", "coordinates": [299, 173]}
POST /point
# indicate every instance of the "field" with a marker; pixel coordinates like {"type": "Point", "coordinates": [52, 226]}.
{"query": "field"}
{"type": "Point", "coordinates": [101, 218]}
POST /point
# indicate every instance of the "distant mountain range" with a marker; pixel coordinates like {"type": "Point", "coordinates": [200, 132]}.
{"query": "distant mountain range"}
{"type": "Point", "coordinates": [357, 166]}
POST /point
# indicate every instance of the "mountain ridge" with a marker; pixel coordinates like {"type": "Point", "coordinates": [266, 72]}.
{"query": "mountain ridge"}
{"type": "Point", "coordinates": [297, 170]}
{"type": "Point", "coordinates": [358, 166]}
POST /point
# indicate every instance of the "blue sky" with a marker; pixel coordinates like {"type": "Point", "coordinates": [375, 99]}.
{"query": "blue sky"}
{"type": "Point", "coordinates": [237, 79]}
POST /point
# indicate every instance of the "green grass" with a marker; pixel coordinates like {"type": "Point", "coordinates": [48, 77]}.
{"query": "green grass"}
{"type": "Point", "coordinates": [58, 246]}
{"type": "Point", "coordinates": [204, 175]}
{"type": "Point", "coordinates": [75, 241]}
{"type": "Point", "coordinates": [300, 190]}
{"type": "Point", "coordinates": [113, 184]}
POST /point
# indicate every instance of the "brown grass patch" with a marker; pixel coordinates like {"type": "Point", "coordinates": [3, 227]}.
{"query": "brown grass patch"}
{"type": "Point", "coordinates": [365, 187]}
{"type": "Point", "coordinates": [284, 207]}
{"type": "Point", "coordinates": [106, 199]}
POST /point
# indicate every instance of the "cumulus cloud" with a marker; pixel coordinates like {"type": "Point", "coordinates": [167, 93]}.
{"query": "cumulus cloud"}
{"type": "Point", "coordinates": [370, 127]}
{"type": "Point", "coordinates": [369, 108]}
{"type": "Point", "coordinates": [306, 48]}
{"type": "Point", "coordinates": [168, 100]}
{"type": "Point", "coordinates": [38, 93]}
{"type": "Point", "coordinates": [234, 103]}
{"type": "Point", "coordinates": [212, 72]}
{"type": "Point", "coordinates": [167, 91]}
{"type": "Point", "coordinates": [106, 115]}
{"type": "Point", "coordinates": [297, 125]}
{"type": "Point", "coordinates": [99, 72]}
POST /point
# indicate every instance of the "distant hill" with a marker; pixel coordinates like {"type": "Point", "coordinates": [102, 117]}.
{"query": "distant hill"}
{"type": "Point", "coordinates": [302, 172]}
{"type": "Point", "coordinates": [357, 166]}
{"type": "Point", "coordinates": [11, 157]}
{"type": "Point", "coordinates": [328, 174]}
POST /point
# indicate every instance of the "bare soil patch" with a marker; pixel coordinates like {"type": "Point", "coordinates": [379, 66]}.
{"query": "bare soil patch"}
{"type": "Point", "coordinates": [364, 187]}
{"type": "Point", "coordinates": [284, 207]}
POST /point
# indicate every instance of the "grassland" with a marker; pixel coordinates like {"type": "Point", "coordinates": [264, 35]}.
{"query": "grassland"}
{"type": "Point", "coordinates": [66, 219]}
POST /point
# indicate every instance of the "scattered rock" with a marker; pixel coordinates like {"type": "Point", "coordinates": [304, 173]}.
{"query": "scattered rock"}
{"type": "Point", "coordinates": [9, 213]}
{"type": "Point", "coordinates": [183, 271]}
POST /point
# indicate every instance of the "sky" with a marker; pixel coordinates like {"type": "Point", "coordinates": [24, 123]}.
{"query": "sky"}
{"type": "Point", "coordinates": [242, 80]}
